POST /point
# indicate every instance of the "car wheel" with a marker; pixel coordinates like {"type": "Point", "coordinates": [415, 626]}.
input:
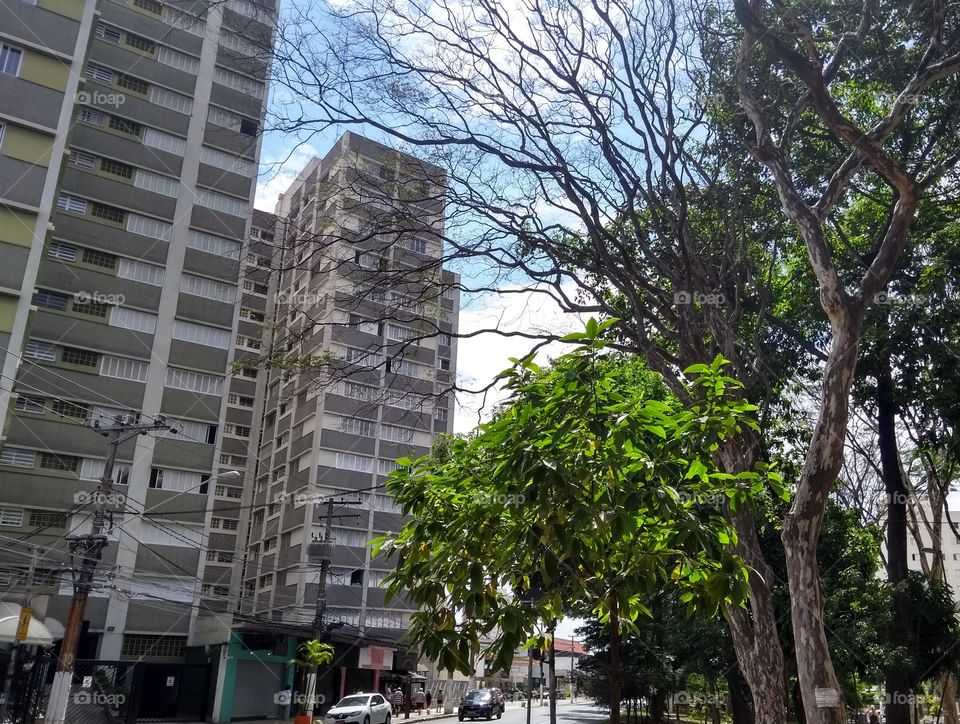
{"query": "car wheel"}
{"type": "Point", "coordinates": [366, 720]}
{"type": "Point", "coordinates": [490, 714]}
{"type": "Point", "coordinates": [500, 712]}
{"type": "Point", "coordinates": [387, 720]}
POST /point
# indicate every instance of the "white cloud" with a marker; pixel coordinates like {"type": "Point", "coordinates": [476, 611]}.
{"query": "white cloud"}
{"type": "Point", "coordinates": [279, 168]}
{"type": "Point", "coordinates": [481, 358]}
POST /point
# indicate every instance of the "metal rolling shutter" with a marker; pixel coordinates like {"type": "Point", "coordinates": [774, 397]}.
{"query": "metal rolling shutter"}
{"type": "Point", "coordinates": [256, 685]}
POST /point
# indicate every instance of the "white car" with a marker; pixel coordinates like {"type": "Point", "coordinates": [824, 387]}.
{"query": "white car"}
{"type": "Point", "coordinates": [359, 709]}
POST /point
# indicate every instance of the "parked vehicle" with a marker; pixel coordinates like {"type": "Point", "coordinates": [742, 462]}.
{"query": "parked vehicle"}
{"type": "Point", "coordinates": [481, 704]}
{"type": "Point", "coordinates": [359, 709]}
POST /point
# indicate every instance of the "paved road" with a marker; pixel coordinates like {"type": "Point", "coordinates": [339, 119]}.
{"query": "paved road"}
{"type": "Point", "coordinates": [566, 714]}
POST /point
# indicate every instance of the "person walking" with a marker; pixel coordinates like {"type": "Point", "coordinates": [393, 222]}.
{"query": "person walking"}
{"type": "Point", "coordinates": [429, 699]}
{"type": "Point", "coordinates": [419, 697]}
{"type": "Point", "coordinates": [397, 701]}
{"type": "Point", "coordinates": [440, 702]}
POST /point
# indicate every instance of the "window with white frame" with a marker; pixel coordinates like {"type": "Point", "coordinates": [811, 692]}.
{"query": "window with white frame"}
{"type": "Point", "coordinates": [385, 467]}
{"type": "Point", "coordinates": [354, 355]}
{"type": "Point", "coordinates": [191, 430]}
{"type": "Point", "coordinates": [46, 351]}
{"type": "Point", "coordinates": [109, 33]}
{"type": "Point", "coordinates": [357, 391]}
{"type": "Point", "coordinates": [208, 288]}
{"type": "Point", "coordinates": [178, 60]}
{"type": "Point", "coordinates": [30, 403]}
{"type": "Point", "coordinates": [248, 342]}
{"type": "Point", "coordinates": [124, 369]}
{"type": "Point", "coordinates": [183, 21]}
{"type": "Point", "coordinates": [217, 245]}
{"type": "Point", "coordinates": [82, 159]}
{"type": "Point", "coordinates": [150, 181]}
{"type": "Point", "coordinates": [90, 116]}
{"type": "Point", "coordinates": [164, 141]}
{"type": "Point", "coordinates": [18, 457]}
{"type": "Point", "coordinates": [395, 433]}
{"type": "Point", "coordinates": [201, 334]}
{"type": "Point", "coordinates": [63, 251]}
{"type": "Point", "coordinates": [227, 162]}
{"type": "Point", "coordinates": [10, 58]}
{"type": "Point", "coordinates": [11, 517]}
{"type": "Point", "coordinates": [191, 381]}
{"type": "Point", "coordinates": [73, 204]}
{"type": "Point", "coordinates": [145, 226]}
{"type": "Point", "coordinates": [350, 461]}
{"type": "Point", "coordinates": [358, 426]}
{"type": "Point", "coordinates": [91, 469]}
{"type": "Point", "coordinates": [221, 202]}
{"type": "Point", "coordinates": [139, 271]}
{"type": "Point", "coordinates": [171, 100]}
{"type": "Point", "coordinates": [238, 82]}
{"type": "Point", "coordinates": [133, 319]}
{"type": "Point", "coordinates": [99, 73]}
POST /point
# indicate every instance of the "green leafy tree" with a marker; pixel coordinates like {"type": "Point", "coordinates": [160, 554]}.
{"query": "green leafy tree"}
{"type": "Point", "coordinates": [311, 655]}
{"type": "Point", "coordinates": [590, 483]}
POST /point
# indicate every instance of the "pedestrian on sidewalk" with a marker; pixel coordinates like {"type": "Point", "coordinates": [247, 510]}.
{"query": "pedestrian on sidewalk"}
{"type": "Point", "coordinates": [429, 699]}
{"type": "Point", "coordinates": [419, 697]}
{"type": "Point", "coordinates": [397, 701]}
{"type": "Point", "coordinates": [440, 702]}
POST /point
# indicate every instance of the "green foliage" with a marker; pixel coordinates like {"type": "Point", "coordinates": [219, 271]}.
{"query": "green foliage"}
{"type": "Point", "coordinates": [313, 654]}
{"type": "Point", "coordinates": [591, 487]}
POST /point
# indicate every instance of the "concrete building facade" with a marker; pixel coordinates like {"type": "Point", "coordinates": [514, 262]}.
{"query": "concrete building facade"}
{"type": "Point", "coordinates": [128, 164]}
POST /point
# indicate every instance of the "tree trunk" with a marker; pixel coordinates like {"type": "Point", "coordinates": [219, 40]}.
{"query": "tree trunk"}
{"type": "Point", "coordinates": [798, 703]}
{"type": "Point", "coordinates": [897, 678]}
{"type": "Point", "coordinates": [740, 711]}
{"type": "Point", "coordinates": [614, 683]}
{"type": "Point", "coordinates": [819, 686]}
{"type": "Point", "coordinates": [948, 701]}
{"type": "Point", "coordinates": [756, 639]}
{"type": "Point", "coordinates": [553, 676]}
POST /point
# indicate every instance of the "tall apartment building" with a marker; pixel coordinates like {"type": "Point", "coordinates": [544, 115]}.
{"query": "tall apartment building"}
{"type": "Point", "coordinates": [361, 291]}
{"type": "Point", "coordinates": [128, 159]}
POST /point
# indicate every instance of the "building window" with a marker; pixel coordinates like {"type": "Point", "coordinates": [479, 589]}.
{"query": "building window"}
{"type": "Point", "coordinates": [91, 309]}
{"type": "Point", "coordinates": [151, 6]}
{"type": "Point", "coordinates": [18, 457]}
{"type": "Point", "coordinates": [51, 300]}
{"type": "Point", "coordinates": [81, 357]}
{"type": "Point", "coordinates": [90, 116]}
{"type": "Point", "coordinates": [139, 42]}
{"type": "Point", "coordinates": [62, 251]}
{"type": "Point", "coordinates": [45, 351]}
{"type": "Point", "coordinates": [99, 258]}
{"type": "Point", "coordinates": [99, 73]}
{"type": "Point", "coordinates": [70, 409]}
{"type": "Point", "coordinates": [124, 170]}
{"type": "Point", "coordinates": [131, 83]}
{"type": "Point", "coordinates": [66, 463]}
{"type": "Point", "coordinates": [47, 519]}
{"type": "Point", "coordinates": [10, 59]}
{"type": "Point", "coordinates": [248, 127]}
{"type": "Point", "coordinates": [11, 517]}
{"type": "Point", "coordinates": [122, 125]}
{"type": "Point", "coordinates": [108, 33]}
{"type": "Point", "coordinates": [73, 204]}
{"type": "Point", "coordinates": [83, 160]}
{"type": "Point", "coordinates": [30, 403]}
{"type": "Point", "coordinates": [140, 645]}
{"type": "Point", "coordinates": [108, 213]}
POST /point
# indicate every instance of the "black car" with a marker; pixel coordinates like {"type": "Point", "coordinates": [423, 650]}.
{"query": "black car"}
{"type": "Point", "coordinates": [480, 704]}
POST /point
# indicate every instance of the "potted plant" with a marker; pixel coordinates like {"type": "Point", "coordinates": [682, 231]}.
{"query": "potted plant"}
{"type": "Point", "coordinates": [311, 655]}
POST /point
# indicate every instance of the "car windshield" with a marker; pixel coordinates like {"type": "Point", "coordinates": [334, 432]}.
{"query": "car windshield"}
{"type": "Point", "coordinates": [478, 696]}
{"type": "Point", "coordinates": [353, 701]}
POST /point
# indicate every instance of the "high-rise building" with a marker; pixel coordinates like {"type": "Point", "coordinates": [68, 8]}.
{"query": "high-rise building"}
{"type": "Point", "coordinates": [365, 316]}
{"type": "Point", "coordinates": [129, 145]}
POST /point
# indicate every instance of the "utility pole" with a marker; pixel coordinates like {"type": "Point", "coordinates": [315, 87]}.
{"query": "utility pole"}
{"type": "Point", "coordinates": [529, 684]}
{"type": "Point", "coordinates": [89, 549]}
{"type": "Point", "coordinates": [14, 655]}
{"type": "Point", "coordinates": [322, 551]}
